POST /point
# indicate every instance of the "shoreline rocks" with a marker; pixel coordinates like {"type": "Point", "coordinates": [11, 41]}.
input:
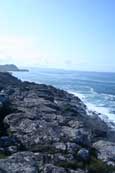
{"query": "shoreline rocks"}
{"type": "Point", "coordinates": [52, 131]}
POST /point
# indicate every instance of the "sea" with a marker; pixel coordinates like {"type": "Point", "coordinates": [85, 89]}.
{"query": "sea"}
{"type": "Point", "coordinates": [95, 89]}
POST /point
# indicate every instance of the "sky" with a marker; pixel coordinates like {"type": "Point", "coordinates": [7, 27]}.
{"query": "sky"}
{"type": "Point", "coordinates": [69, 34]}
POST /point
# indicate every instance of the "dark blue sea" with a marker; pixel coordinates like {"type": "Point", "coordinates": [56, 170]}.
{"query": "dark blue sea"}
{"type": "Point", "coordinates": [96, 89]}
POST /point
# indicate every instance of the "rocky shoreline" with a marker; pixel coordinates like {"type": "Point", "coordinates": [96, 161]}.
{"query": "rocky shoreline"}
{"type": "Point", "coordinates": [47, 130]}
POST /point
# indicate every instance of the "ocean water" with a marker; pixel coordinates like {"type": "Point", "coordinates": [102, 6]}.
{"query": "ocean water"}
{"type": "Point", "coordinates": [96, 89]}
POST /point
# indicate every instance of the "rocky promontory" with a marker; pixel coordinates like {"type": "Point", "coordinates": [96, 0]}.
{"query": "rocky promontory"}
{"type": "Point", "coordinates": [47, 130]}
{"type": "Point", "coordinates": [10, 67]}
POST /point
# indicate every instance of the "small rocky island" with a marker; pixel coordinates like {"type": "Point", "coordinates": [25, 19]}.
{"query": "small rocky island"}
{"type": "Point", "coordinates": [10, 67]}
{"type": "Point", "coordinates": [47, 130]}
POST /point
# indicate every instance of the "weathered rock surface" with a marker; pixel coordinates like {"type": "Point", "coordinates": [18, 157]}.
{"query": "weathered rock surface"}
{"type": "Point", "coordinates": [49, 131]}
{"type": "Point", "coordinates": [106, 151]}
{"type": "Point", "coordinates": [19, 162]}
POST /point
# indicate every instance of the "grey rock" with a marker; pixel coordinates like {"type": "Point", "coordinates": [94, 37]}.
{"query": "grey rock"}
{"type": "Point", "coordinates": [75, 124]}
{"type": "Point", "coordinates": [106, 151]}
{"type": "Point", "coordinates": [80, 136]}
{"type": "Point", "coordinates": [23, 162]}
{"type": "Point", "coordinates": [77, 171]}
{"type": "Point", "coordinates": [7, 80]}
{"type": "Point", "coordinates": [49, 168]}
{"type": "Point", "coordinates": [72, 147]}
{"type": "Point", "coordinates": [12, 149]}
{"type": "Point", "coordinates": [53, 169]}
{"type": "Point", "coordinates": [83, 154]}
{"type": "Point", "coordinates": [6, 141]}
{"type": "Point", "coordinates": [2, 150]}
{"type": "Point", "coordinates": [60, 146]}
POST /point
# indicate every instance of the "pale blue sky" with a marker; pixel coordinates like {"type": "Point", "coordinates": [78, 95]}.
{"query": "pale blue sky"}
{"type": "Point", "coordinates": [71, 34]}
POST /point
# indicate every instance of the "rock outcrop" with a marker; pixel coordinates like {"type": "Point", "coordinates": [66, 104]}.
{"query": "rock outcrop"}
{"type": "Point", "coordinates": [48, 130]}
{"type": "Point", "coordinates": [10, 67]}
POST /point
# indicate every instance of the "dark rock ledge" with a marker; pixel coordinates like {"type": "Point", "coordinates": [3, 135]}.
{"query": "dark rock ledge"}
{"type": "Point", "coordinates": [47, 130]}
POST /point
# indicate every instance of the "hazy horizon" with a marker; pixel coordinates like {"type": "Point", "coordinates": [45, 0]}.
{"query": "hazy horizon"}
{"type": "Point", "coordinates": [54, 68]}
{"type": "Point", "coordinates": [72, 35]}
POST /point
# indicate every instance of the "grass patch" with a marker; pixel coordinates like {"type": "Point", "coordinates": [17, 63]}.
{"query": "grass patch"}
{"type": "Point", "coordinates": [94, 166]}
{"type": "Point", "coordinates": [9, 132]}
{"type": "Point", "coordinates": [3, 156]}
{"type": "Point", "coordinates": [98, 166]}
{"type": "Point", "coordinates": [44, 148]}
{"type": "Point", "coordinates": [71, 165]}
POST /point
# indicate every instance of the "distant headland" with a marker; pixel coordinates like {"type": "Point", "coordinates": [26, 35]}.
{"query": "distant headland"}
{"type": "Point", "coordinates": [10, 67]}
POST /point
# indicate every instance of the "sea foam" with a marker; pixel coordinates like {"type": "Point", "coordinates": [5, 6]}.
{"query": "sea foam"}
{"type": "Point", "coordinates": [101, 111]}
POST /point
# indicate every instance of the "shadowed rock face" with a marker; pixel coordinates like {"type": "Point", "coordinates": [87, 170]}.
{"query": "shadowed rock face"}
{"type": "Point", "coordinates": [47, 130]}
{"type": "Point", "coordinates": [4, 110]}
{"type": "Point", "coordinates": [7, 81]}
